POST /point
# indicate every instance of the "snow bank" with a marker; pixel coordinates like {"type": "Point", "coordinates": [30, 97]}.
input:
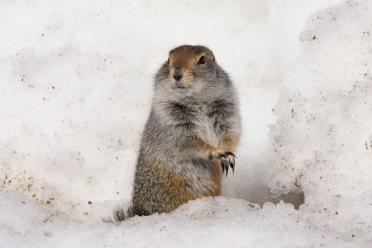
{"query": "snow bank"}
{"type": "Point", "coordinates": [76, 79]}
{"type": "Point", "coordinates": [219, 222]}
{"type": "Point", "coordinates": [321, 142]}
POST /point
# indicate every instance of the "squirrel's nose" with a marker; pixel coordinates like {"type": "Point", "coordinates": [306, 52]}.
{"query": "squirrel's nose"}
{"type": "Point", "coordinates": [177, 76]}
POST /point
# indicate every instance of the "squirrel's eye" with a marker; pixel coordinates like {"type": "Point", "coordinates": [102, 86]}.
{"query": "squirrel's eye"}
{"type": "Point", "coordinates": [201, 60]}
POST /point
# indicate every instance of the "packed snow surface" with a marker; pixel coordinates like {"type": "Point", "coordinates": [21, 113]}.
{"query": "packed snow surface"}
{"type": "Point", "coordinates": [214, 223]}
{"type": "Point", "coordinates": [75, 91]}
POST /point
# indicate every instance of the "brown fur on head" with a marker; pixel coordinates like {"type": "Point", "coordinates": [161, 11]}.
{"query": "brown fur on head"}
{"type": "Point", "coordinates": [185, 61]}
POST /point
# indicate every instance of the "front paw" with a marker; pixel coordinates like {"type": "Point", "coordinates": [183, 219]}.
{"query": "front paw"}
{"type": "Point", "coordinates": [227, 159]}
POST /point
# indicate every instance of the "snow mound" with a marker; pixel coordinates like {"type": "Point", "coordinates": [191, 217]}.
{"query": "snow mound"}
{"type": "Point", "coordinates": [217, 222]}
{"type": "Point", "coordinates": [321, 142]}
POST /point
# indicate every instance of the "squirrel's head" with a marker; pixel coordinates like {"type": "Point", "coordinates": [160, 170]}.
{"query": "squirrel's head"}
{"type": "Point", "coordinates": [188, 70]}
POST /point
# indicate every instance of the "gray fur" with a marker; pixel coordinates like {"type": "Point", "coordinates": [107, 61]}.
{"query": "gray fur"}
{"type": "Point", "coordinates": [207, 109]}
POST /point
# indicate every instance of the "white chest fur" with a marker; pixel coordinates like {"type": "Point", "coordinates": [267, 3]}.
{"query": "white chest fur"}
{"type": "Point", "coordinates": [205, 127]}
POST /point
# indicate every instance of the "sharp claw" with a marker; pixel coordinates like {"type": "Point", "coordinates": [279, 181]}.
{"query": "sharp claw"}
{"type": "Point", "coordinates": [231, 160]}
{"type": "Point", "coordinates": [227, 159]}
{"type": "Point", "coordinates": [230, 153]}
{"type": "Point", "coordinates": [225, 164]}
{"type": "Point", "coordinates": [221, 155]}
{"type": "Point", "coordinates": [231, 163]}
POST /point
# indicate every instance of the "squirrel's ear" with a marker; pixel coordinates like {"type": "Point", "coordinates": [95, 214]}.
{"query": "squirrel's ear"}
{"type": "Point", "coordinates": [169, 55]}
{"type": "Point", "coordinates": [211, 55]}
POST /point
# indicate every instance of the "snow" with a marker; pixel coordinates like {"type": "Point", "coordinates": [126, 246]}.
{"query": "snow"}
{"type": "Point", "coordinates": [219, 222]}
{"type": "Point", "coordinates": [76, 84]}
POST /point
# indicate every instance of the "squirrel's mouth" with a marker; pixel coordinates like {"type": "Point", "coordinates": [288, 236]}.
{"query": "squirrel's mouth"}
{"type": "Point", "coordinates": [179, 85]}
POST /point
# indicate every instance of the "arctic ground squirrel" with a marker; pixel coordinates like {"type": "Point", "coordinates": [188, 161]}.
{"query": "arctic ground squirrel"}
{"type": "Point", "coordinates": [190, 136]}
